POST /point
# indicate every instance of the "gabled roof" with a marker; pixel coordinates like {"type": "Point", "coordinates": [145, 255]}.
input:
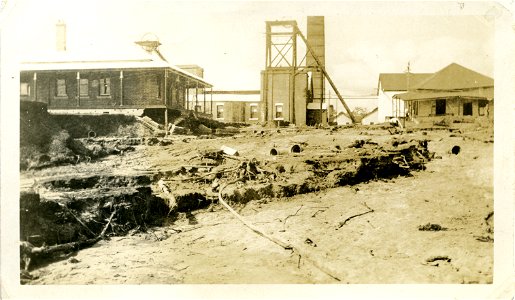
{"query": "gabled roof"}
{"type": "Point", "coordinates": [398, 81]}
{"type": "Point", "coordinates": [455, 77]}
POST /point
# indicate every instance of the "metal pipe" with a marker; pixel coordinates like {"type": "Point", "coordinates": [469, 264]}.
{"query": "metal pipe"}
{"type": "Point", "coordinates": [295, 148]}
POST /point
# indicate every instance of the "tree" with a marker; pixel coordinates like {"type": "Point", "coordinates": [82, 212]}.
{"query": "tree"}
{"type": "Point", "coordinates": [359, 113]}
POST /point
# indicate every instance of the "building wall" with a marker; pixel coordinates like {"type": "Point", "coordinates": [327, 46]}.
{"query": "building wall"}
{"type": "Point", "coordinates": [141, 88]}
{"type": "Point", "coordinates": [236, 112]}
{"type": "Point", "coordinates": [387, 108]}
{"type": "Point", "coordinates": [454, 108]}
{"type": "Point", "coordinates": [276, 91]}
{"type": "Point", "coordinates": [343, 120]}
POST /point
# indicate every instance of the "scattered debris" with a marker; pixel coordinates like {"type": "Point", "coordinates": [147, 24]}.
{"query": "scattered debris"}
{"type": "Point", "coordinates": [455, 150]}
{"type": "Point", "coordinates": [229, 151]}
{"type": "Point", "coordinates": [484, 238]}
{"type": "Point", "coordinates": [277, 241]}
{"type": "Point", "coordinates": [340, 225]}
{"type": "Point", "coordinates": [289, 216]}
{"type": "Point", "coordinates": [310, 242]}
{"type": "Point", "coordinates": [431, 227]}
{"type": "Point", "coordinates": [437, 258]}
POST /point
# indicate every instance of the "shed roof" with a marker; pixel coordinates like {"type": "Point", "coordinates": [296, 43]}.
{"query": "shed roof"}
{"type": "Point", "coordinates": [455, 77]}
{"type": "Point", "coordinates": [399, 81]}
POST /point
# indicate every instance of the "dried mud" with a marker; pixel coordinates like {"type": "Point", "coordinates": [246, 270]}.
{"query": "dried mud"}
{"type": "Point", "coordinates": [301, 197]}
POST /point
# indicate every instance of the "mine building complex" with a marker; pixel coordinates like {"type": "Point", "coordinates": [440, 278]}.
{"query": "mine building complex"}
{"type": "Point", "coordinates": [147, 83]}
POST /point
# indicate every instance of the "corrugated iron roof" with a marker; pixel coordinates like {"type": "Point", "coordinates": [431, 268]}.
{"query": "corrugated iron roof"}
{"type": "Point", "coordinates": [455, 77]}
{"type": "Point", "coordinates": [399, 81]}
{"type": "Point", "coordinates": [68, 62]}
{"type": "Point", "coordinates": [477, 93]}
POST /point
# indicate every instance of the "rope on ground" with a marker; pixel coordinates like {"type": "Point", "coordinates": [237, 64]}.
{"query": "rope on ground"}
{"type": "Point", "coordinates": [275, 240]}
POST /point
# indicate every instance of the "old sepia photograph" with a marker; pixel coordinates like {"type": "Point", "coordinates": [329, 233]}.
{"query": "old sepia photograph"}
{"type": "Point", "coordinates": [254, 142]}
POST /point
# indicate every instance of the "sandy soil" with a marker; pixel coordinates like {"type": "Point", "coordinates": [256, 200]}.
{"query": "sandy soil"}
{"type": "Point", "coordinates": [382, 246]}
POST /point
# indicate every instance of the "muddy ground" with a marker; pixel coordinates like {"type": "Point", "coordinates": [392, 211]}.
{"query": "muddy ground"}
{"type": "Point", "coordinates": [428, 227]}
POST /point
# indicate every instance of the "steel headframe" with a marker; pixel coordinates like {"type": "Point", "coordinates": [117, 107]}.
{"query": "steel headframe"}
{"type": "Point", "coordinates": [278, 55]}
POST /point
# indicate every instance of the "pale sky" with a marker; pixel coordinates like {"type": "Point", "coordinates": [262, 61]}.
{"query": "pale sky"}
{"type": "Point", "coordinates": [227, 39]}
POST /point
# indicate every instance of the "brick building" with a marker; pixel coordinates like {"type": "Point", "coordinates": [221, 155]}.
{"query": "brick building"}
{"type": "Point", "coordinates": [77, 85]}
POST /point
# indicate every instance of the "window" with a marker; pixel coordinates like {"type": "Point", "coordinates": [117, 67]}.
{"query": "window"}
{"type": "Point", "coordinates": [61, 88]}
{"type": "Point", "coordinates": [24, 89]}
{"type": "Point", "coordinates": [415, 108]}
{"type": "Point", "coordinates": [279, 111]}
{"type": "Point", "coordinates": [104, 87]}
{"type": "Point", "coordinates": [253, 112]}
{"type": "Point", "coordinates": [467, 109]}
{"type": "Point", "coordinates": [158, 83]}
{"type": "Point", "coordinates": [482, 107]}
{"type": "Point", "coordinates": [83, 87]}
{"type": "Point", "coordinates": [440, 107]}
{"type": "Point", "coordinates": [220, 111]}
{"type": "Point", "coordinates": [198, 108]}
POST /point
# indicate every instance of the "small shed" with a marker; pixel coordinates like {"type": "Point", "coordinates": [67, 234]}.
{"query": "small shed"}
{"type": "Point", "coordinates": [370, 118]}
{"type": "Point", "coordinates": [343, 119]}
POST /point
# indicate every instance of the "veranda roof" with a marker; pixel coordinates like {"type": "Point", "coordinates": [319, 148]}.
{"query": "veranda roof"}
{"type": "Point", "coordinates": [481, 93]}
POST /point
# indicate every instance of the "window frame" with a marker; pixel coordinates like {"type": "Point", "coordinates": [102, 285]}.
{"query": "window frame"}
{"type": "Point", "coordinates": [281, 105]}
{"type": "Point", "coordinates": [444, 101]}
{"type": "Point", "coordinates": [64, 89]}
{"type": "Point", "coordinates": [159, 86]}
{"type": "Point", "coordinates": [83, 82]}
{"type": "Point", "coordinates": [24, 89]}
{"type": "Point", "coordinates": [470, 109]}
{"type": "Point", "coordinates": [256, 117]}
{"type": "Point", "coordinates": [482, 107]}
{"type": "Point", "coordinates": [104, 87]}
{"type": "Point", "coordinates": [218, 111]}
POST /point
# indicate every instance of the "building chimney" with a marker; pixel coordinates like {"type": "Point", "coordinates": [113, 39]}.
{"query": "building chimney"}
{"type": "Point", "coordinates": [60, 36]}
{"type": "Point", "coordinates": [316, 39]}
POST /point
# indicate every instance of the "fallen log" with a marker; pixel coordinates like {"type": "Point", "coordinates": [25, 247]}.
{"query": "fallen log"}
{"type": "Point", "coordinates": [77, 218]}
{"type": "Point", "coordinates": [28, 250]}
{"type": "Point", "coordinates": [286, 246]}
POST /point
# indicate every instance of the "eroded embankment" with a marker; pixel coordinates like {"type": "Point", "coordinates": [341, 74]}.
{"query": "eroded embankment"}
{"type": "Point", "coordinates": [77, 212]}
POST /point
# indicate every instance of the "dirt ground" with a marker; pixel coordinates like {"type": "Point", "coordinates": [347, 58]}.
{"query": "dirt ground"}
{"type": "Point", "coordinates": [379, 243]}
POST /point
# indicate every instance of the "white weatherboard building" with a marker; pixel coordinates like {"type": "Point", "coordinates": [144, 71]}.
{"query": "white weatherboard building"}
{"type": "Point", "coordinates": [391, 84]}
